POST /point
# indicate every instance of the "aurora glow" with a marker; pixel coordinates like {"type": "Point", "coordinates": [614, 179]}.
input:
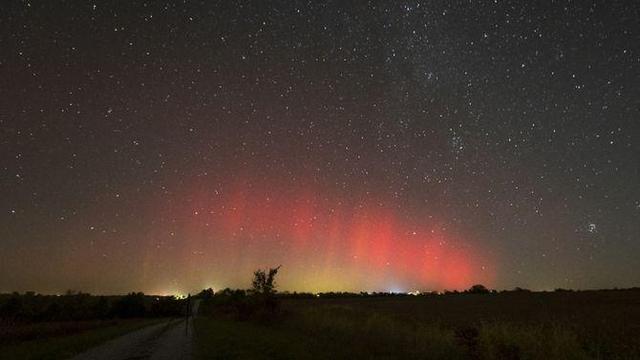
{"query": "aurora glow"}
{"type": "Point", "coordinates": [327, 243]}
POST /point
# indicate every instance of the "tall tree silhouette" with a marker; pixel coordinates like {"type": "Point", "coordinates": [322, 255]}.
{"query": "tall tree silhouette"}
{"type": "Point", "coordinates": [264, 283]}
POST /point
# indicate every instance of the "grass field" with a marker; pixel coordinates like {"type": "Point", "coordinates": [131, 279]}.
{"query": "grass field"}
{"type": "Point", "coordinates": [514, 325]}
{"type": "Point", "coordinates": [227, 339]}
{"type": "Point", "coordinates": [60, 341]}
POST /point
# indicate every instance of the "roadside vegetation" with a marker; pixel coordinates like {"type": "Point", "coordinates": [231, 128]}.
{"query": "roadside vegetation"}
{"type": "Point", "coordinates": [62, 343]}
{"type": "Point", "coordinates": [77, 306]}
{"type": "Point", "coordinates": [34, 326]}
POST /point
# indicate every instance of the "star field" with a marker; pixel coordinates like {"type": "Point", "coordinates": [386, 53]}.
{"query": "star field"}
{"type": "Point", "coordinates": [171, 146]}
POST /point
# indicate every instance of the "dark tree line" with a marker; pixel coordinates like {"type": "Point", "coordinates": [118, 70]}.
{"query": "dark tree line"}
{"type": "Point", "coordinates": [258, 303]}
{"type": "Point", "coordinates": [81, 306]}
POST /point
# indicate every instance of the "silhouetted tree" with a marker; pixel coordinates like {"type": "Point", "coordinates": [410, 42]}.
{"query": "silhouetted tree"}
{"type": "Point", "coordinates": [129, 306]}
{"type": "Point", "coordinates": [12, 308]}
{"type": "Point", "coordinates": [206, 293]}
{"type": "Point", "coordinates": [478, 289]}
{"type": "Point", "coordinates": [519, 289]}
{"type": "Point", "coordinates": [563, 290]}
{"type": "Point", "coordinates": [264, 302]}
{"type": "Point", "coordinates": [263, 283]}
{"type": "Point", "coordinates": [101, 308]}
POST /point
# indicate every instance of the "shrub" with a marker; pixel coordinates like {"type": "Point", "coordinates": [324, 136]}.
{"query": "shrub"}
{"type": "Point", "coordinates": [508, 341]}
{"type": "Point", "coordinates": [130, 306]}
{"type": "Point", "coordinates": [478, 289]}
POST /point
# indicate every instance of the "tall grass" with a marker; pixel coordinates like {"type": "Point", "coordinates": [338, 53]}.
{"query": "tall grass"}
{"type": "Point", "coordinates": [501, 340]}
{"type": "Point", "coordinates": [376, 335]}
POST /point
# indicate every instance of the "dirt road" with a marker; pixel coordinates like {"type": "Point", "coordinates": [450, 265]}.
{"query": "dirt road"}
{"type": "Point", "coordinates": [168, 340]}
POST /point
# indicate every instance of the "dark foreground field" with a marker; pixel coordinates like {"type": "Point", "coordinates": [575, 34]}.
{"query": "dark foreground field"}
{"type": "Point", "coordinates": [249, 325]}
{"type": "Point", "coordinates": [511, 325]}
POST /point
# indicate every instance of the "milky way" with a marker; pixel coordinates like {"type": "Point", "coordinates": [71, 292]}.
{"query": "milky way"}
{"type": "Point", "coordinates": [166, 147]}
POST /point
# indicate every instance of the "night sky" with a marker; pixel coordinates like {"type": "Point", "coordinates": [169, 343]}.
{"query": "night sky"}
{"type": "Point", "coordinates": [395, 146]}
